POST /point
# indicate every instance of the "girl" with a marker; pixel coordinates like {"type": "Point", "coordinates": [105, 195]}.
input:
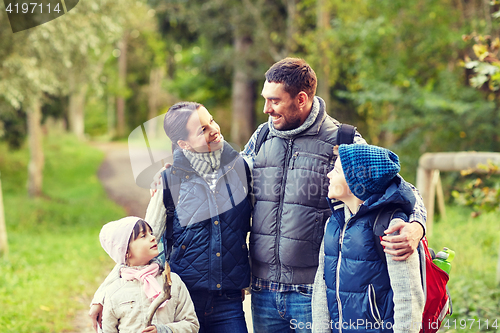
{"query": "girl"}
{"type": "Point", "coordinates": [131, 244]}
{"type": "Point", "coordinates": [354, 288]}
{"type": "Point", "coordinates": [209, 183]}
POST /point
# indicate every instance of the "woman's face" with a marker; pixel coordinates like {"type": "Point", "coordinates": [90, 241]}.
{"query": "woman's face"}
{"type": "Point", "coordinates": [204, 133]}
{"type": "Point", "coordinates": [338, 188]}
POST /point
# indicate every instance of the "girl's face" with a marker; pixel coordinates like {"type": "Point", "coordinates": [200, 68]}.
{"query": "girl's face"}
{"type": "Point", "coordinates": [338, 188]}
{"type": "Point", "coordinates": [204, 133]}
{"type": "Point", "coordinates": [142, 249]}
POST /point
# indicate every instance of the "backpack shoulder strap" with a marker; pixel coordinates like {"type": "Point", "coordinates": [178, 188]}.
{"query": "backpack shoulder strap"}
{"type": "Point", "coordinates": [168, 202]}
{"type": "Point", "coordinates": [345, 134]}
{"type": "Point", "coordinates": [382, 221]}
{"type": "Point", "coordinates": [261, 137]}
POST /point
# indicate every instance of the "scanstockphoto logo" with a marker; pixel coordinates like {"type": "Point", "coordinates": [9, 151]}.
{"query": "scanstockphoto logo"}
{"type": "Point", "coordinates": [26, 14]}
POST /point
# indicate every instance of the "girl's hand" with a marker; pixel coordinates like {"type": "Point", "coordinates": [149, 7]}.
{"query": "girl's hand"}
{"type": "Point", "coordinates": [150, 329]}
{"type": "Point", "coordinates": [95, 314]}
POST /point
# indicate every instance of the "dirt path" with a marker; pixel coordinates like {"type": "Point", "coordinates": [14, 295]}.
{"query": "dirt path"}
{"type": "Point", "coordinates": [117, 178]}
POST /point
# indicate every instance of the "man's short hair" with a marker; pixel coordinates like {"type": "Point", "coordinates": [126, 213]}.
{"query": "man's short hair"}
{"type": "Point", "coordinates": [295, 74]}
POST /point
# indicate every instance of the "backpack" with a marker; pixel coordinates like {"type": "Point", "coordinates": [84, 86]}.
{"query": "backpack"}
{"type": "Point", "coordinates": [345, 134]}
{"type": "Point", "coordinates": [434, 280]}
{"type": "Point", "coordinates": [167, 239]}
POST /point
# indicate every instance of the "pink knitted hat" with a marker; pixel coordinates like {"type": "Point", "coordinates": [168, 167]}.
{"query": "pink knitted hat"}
{"type": "Point", "coordinates": [115, 235]}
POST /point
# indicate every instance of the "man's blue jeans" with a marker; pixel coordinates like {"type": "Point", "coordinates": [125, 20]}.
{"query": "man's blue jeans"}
{"type": "Point", "coordinates": [219, 312]}
{"type": "Point", "coordinates": [280, 312]}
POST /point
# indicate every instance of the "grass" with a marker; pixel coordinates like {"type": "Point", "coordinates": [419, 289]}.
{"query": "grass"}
{"type": "Point", "coordinates": [55, 260]}
{"type": "Point", "coordinates": [473, 288]}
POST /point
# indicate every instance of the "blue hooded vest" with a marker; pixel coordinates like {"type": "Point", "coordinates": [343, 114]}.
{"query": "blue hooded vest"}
{"type": "Point", "coordinates": [358, 287]}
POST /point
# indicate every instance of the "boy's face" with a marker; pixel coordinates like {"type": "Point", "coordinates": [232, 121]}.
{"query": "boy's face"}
{"type": "Point", "coordinates": [142, 249]}
{"type": "Point", "coordinates": [338, 188]}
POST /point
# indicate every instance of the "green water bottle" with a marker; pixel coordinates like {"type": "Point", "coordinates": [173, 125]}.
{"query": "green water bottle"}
{"type": "Point", "coordinates": [444, 258]}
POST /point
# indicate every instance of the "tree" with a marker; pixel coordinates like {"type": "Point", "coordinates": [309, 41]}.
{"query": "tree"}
{"type": "Point", "coordinates": [122, 83]}
{"type": "Point", "coordinates": [4, 246]}
{"type": "Point", "coordinates": [46, 59]}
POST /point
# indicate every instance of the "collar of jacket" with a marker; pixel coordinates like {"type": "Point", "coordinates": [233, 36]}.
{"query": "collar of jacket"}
{"type": "Point", "coordinates": [182, 165]}
{"type": "Point", "coordinates": [398, 193]}
{"type": "Point", "coordinates": [311, 125]}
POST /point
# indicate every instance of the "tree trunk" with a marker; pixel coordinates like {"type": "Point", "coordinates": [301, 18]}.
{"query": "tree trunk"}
{"type": "Point", "coordinates": [291, 7]}
{"type": "Point", "coordinates": [76, 111]}
{"type": "Point", "coordinates": [4, 246]}
{"type": "Point", "coordinates": [110, 106]}
{"type": "Point", "coordinates": [35, 138]}
{"type": "Point", "coordinates": [122, 82]}
{"type": "Point", "coordinates": [155, 78]}
{"type": "Point", "coordinates": [243, 95]}
{"type": "Point", "coordinates": [323, 25]}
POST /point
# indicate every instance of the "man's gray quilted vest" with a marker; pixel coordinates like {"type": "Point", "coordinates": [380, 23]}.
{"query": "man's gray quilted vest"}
{"type": "Point", "coordinates": [291, 187]}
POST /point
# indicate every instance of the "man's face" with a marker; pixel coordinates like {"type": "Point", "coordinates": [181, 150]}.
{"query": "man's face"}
{"type": "Point", "coordinates": [284, 110]}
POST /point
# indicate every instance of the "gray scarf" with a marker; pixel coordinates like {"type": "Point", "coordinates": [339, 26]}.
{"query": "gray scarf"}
{"type": "Point", "coordinates": [206, 165]}
{"type": "Point", "coordinates": [293, 132]}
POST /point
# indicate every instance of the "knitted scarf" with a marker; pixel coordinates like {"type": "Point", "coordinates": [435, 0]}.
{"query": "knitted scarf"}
{"type": "Point", "coordinates": [318, 105]}
{"type": "Point", "coordinates": [147, 276]}
{"type": "Point", "coordinates": [206, 165]}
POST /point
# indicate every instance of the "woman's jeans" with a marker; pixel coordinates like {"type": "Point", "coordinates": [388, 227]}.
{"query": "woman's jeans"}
{"type": "Point", "coordinates": [281, 312]}
{"type": "Point", "coordinates": [219, 311]}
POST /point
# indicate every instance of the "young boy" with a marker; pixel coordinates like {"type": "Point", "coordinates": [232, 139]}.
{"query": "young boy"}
{"type": "Point", "coordinates": [355, 289]}
{"type": "Point", "coordinates": [130, 243]}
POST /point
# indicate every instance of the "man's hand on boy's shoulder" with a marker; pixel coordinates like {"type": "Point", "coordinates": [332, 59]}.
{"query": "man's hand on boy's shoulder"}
{"type": "Point", "coordinates": [405, 240]}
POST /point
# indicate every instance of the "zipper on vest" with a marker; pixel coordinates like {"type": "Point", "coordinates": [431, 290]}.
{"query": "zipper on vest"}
{"type": "Point", "coordinates": [294, 157]}
{"type": "Point", "coordinates": [280, 209]}
{"type": "Point", "coordinates": [372, 299]}
{"type": "Point", "coordinates": [337, 275]}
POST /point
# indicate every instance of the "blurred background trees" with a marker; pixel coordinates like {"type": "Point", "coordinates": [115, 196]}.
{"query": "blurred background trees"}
{"type": "Point", "coordinates": [398, 70]}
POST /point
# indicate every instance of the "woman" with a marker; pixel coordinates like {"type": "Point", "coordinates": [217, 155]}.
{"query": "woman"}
{"type": "Point", "coordinates": [208, 181]}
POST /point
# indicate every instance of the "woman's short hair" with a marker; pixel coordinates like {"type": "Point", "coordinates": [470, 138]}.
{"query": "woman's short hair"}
{"type": "Point", "coordinates": [176, 120]}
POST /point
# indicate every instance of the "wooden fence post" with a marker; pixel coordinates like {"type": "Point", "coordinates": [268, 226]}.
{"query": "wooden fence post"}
{"type": "Point", "coordinates": [429, 182]}
{"type": "Point", "coordinates": [4, 248]}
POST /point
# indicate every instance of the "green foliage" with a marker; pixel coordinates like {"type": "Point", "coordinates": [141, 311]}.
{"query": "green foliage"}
{"type": "Point", "coordinates": [96, 117]}
{"type": "Point", "coordinates": [196, 80]}
{"type": "Point", "coordinates": [472, 285]}
{"type": "Point", "coordinates": [486, 68]}
{"type": "Point", "coordinates": [55, 260]}
{"type": "Point", "coordinates": [12, 125]}
{"type": "Point", "coordinates": [481, 193]}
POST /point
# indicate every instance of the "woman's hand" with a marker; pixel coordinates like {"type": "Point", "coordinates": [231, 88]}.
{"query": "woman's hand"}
{"type": "Point", "coordinates": [150, 329]}
{"type": "Point", "coordinates": [95, 314]}
{"type": "Point", "coordinates": [156, 184]}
